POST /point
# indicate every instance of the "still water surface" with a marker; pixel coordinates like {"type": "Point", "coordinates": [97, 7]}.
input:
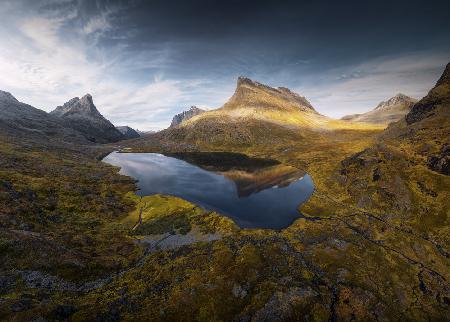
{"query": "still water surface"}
{"type": "Point", "coordinates": [254, 195]}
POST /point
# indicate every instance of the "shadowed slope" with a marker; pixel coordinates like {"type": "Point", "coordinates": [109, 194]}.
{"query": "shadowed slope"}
{"type": "Point", "coordinates": [22, 121]}
{"type": "Point", "coordinates": [83, 116]}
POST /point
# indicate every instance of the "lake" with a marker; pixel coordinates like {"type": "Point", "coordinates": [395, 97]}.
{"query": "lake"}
{"type": "Point", "coordinates": [254, 192]}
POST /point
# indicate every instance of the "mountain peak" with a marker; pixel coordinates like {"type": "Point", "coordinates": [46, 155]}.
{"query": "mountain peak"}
{"type": "Point", "coordinates": [76, 106]}
{"type": "Point", "coordinates": [186, 115]}
{"type": "Point", "coordinates": [253, 94]}
{"type": "Point", "coordinates": [87, 98]}
{"type": "Point", "coordinates": [244, 80]}
{"type": "Point", "coordinates": [7, 97]}
{"type": "Point", "coordinates": [82, 115]}
{"type": "Point", "coordinates": [396, 100]}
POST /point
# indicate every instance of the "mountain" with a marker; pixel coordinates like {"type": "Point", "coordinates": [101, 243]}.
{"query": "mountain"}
{"type": "Point", "coordinates": [256, 113]}
{"type": "Point", "coordinates": [408, 161]}
{"type": "Point", "coordinates": [186, 115]}
{"type": "Point", "coordinates": [371, 243]}
{"type": "Point", "coordinates": [83, 116]}
{"type": "Point", "coordinates": [437, 97]}
{"type": "Point", "coordinates": [128, 132]}
{"type": "Point", "coordinates": [142, 133]}
{"type": "Point", "coordinates": [252, 94]}
{"type": "Point", "coordinates": [385, 112]}
{"type": "Point", "coordinates": [21, 120]}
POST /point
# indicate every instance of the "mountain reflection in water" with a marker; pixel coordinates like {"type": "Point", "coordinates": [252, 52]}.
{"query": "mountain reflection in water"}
{"type": "Point", "coordinates": [254, 192]}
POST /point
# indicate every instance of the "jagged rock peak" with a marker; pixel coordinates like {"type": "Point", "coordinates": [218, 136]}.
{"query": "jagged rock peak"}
{"type": "Point", "coordinates": [242, 80]}
{"type": "Point", "coordinates": [397, 99]}
{"type": "Point", "coordinates": [186, 115]}
{"type": "Point", "coordinates": [84, 106]}
{"type": "Point", "coordinates": [445, 77]}
{"type": "Point", "coordinates": [7, 97]}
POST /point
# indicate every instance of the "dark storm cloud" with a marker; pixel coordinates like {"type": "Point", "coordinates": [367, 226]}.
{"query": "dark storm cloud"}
{"type": "Point", "coordinates": [273, 34]}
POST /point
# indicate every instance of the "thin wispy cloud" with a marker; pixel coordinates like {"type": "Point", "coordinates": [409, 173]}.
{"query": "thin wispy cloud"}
{"type": "Point", "coordinates": [359, 88]}
{"type": "Point", "coordinates": [45, 69]}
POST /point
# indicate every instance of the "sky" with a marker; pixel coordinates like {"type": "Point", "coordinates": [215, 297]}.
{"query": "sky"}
{"type": "Point", "coordinates": [144, 61]}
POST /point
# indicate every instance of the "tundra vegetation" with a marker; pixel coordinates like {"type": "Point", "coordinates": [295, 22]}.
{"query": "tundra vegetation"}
{"type": "Point", "coordinates": [78, 244]}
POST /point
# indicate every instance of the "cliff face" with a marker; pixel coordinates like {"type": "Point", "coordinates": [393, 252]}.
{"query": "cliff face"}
{"type": "Point", "coordinates": [186, 115]}
{"type": "Point", "coordinates": [83, 116]}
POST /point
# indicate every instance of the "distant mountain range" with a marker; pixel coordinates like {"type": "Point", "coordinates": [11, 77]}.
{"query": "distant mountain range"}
{"type": "Point", "coordinates": [255, 113]}
{"type": "Point", "coordinates": [20, 120]}
{"type": "Point", "coordinates": [385, 112]}
{"type": "Point", "coordinates": [76, 121]}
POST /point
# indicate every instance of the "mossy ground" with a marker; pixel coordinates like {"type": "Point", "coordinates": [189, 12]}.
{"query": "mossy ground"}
{"type": "Point", "coordinates": [373, 247]}
{"type": "Point", "coordinates": [376, 246]}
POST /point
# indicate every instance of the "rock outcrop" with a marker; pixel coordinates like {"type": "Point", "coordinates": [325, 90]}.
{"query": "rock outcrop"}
{"type": "Point", "coordinates": [128, 132]}
{"type": "Point", "coordinates": [186, 115]}
{"type": "Point", "coordinates": [440, 162]}
{"type": "Point", "coordinates": [83, 116]}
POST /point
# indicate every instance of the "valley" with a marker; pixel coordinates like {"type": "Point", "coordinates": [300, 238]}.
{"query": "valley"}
{"type": "Point", "coordinates": [372, 243]}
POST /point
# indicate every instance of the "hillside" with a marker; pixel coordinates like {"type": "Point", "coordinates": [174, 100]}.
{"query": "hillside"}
{"type": "Point", "coordinates": [83, 116]}
{"type": "Point", "coordinates": [385, 112]}
{"type": "Point", "coordinates": [373, 244]}
{"type": "Point", "coordinates": [128, 132]}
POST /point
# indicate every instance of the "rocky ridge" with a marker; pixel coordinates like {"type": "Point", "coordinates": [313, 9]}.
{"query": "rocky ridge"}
{"type": "Point", "coordinates": [83, 116]}
{"type": "Point", "coordinates": [251, 93]}
{"type": "Point", "coordinates": [186, 115]}
{"type": "Point", "coordinates": [21, 120]}
{"type": "Point", "coordinates": [436, 97]}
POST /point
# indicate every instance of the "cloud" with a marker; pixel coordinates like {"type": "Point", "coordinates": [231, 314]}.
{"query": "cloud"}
{"type": "Point", "coordinates": [359, 88]}
{"type": "Point", "coordinates": [51, 51]}
{"type": "Point", "coordinates": [44, 68]}
{"type": "Point", "coordinates": [97, 24]}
